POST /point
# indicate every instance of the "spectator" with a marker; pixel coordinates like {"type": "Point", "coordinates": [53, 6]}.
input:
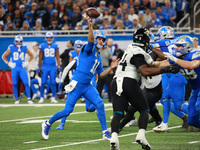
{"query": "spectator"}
{"type": "Point", "coordinates": [1, 14]}
{"type": "Point", "coordinates": [106, 25]}
{"type": "Point", "coordinates": [131, 4]}
{"type": "Point", "coordinates": [181, 9]}
{"type": "Point", "coordinates": [65, 20]}
{"type": "Point", "coordinates": [56, 4]}
{"type": "Point", "coordinates": [111, 7]}
{"type": "Point", "coordinates": [38, 26]}
{"type": "Point", "coordinates": [196, 43]}
{"type": "Point", "coordinates": [22, 9]}
{"type": "Point", "coordinates": [5, 5]}
{"type": "Point", "coordinates": [50, 8]}
{"type": "Point", "coordinates": [72, 10]}
{"type": "Point", "coordinates": [28, 16]}
{"type": "Point", "coordinates": [54, 15]}
{"type": "Point", "coordinates": [54, 25]}
{"type": "Point", "coordinates": [137, 6]}
{"type": "Point", "coordinates": [125, 8]}
{"type": "Point", "coordinates": [68, 5]}
{"type": "Point", "coordinates": [1, 26]}
{"type": "Point", "coordinates": [132, 14]}
{"type": "Point", "coordinates": [33, 8]}
{"type": "Point", "coordinates": [113, 19]}
{"type": "Point", "coordinates": [62, 11]}
{"type": "Point", "coordinates": [25, 27]}
{"type": "Point", "coordinates": [117, 52]}
{"type": "Point", "coordinates": [154, 21]}
{"type": "Point", "coordinates": [42, 13]}
{"type": "Point", "coordinates": [106, 13]}
{"type": "Point", "coordinates": [119, 13]}
{"type": "Point", "coordinates": [84, 7]}
{"type": "Point", "coordinates": [17, 4]}
{"type": "Point", "coordinates": [145, 4]}
{"type": "Point", "coordinates": [136, 25]}
{"type": "Point", "coordinates": [101, 7]}
{"type": "Point", "coordinates": [10, 10]}
{"type": "Point", "coordinates": [10, 27]}
{"type": "Point", "coordinates": [17, 19]}
{"type": "Point", "coordinates": [127, 23]}
{"type": "Point", "coordinates": [110, 45]}
{"type": "Point", "coordinates": [162, 16]}
{"type": "Point", "coordinates": [141, 19]}
{"type": "Point", "coordinates": [119, 26]}
{"type": "Point", "coordinates": [147, 14]}
{"type": "Point", "coordinates": [171, 12]}
{"type": "Point", "coordinates": [77, 17]}
{"type": "Point", "coordinates": [153, 5]}
{"type": "Point", "coordinates": [93, 3]}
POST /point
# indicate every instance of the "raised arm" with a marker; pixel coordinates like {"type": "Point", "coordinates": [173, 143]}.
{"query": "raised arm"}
{"type": "Point", "coordinates": [91, 32]}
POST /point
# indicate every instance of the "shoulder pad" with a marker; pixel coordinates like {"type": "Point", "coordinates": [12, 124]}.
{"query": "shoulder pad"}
{"type": "Point", "coordinates": [196, 55]}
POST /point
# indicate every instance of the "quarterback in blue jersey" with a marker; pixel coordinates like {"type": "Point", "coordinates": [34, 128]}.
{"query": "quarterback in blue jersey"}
{"type": "Point", "coordinates": [173, 84]}
{"type": "Point", "coordinates": [89, 62]}
{"type": "Point", "coordinates": [88, 105]}
{"type": "Point", "coordinates": [17, 65]}
{"type": "Point", "coordinates": [189, 61]}
{"type": "Point", "coordinates": [49, 54]}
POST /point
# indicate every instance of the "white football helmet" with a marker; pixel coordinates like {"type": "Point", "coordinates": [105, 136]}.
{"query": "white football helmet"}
{"type": "Point", "coordinates": [78, 44]}
{"type": "Point", "coordinates": [49, 37]}
{"type": "Point", "coordinates": [18, 41]}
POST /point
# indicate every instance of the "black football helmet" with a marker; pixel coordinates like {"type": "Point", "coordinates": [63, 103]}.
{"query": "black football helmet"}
{"type": "Point", "coordinates": [141, 37]}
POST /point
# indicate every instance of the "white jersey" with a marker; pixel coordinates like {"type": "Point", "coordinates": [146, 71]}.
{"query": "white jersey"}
{"type": "Point", "coordinates": [125, 68]}
{"type": "Point", "coordinates": [151, 82]}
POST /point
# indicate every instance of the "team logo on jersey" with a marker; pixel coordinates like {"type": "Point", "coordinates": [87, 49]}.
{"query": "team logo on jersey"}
{"type": "Point", "coordinates": [96, 54]}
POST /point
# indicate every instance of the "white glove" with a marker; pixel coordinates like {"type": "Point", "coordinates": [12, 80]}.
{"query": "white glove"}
{"type": "Point", "coordinates": [169, 56]}
{"type": "Point", "coordinates": [11, 65]}
{"type": "Point", "coordinates": [24, 64]}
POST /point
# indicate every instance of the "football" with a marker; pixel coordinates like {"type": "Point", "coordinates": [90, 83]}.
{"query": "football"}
{"type": "Point", "coordinates": [92, 12]}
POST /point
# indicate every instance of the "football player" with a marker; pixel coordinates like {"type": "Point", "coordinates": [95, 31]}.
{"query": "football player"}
{"type": "Point", "coordinates": [89, 62]}
{"type": "Point", "coordinates": [49, 54]}
{"type": "Point", "coordinates": [18, 66]}
{"type": "Point", "coordinates": [173, 84]}
{"type": "Point", "coordinates": [125, 88]}
{"type": "Point", "coordinates": [189, 61]}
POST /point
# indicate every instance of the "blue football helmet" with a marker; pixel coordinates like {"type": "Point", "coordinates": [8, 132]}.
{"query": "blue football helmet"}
{"type": "Point", "coordinates": [18, 41]}
{"type": "Point", "coordinates": [78, 44]}
{"type": "Point", "coordinates": [151, 37]}
{"type": "Point", "coordinates": [166, 32]}
{"type": "Point", "coordinates": [49, 35]}
{"type": "Point", "coordinates": [187, 45]}
{"type": "Point", "coordinates": [99, 34]}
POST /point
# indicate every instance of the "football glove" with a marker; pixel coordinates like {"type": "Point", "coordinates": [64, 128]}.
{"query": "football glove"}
{"type": "Point", "coordinates": [11, 65]}
{"type": "Point", "coordinates": [25, 64]}
{"type": "Point", "coordinates": [170, 57]}
{"type": "Point", "coordinates": [58, 71]}
{"type": "Point", "coordinates": [170, 69]}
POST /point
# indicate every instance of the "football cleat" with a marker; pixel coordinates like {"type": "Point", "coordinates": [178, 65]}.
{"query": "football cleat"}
{"type": "Point", "coordinates": [61, 126]}
{"type": "Point", "coordinates": [30, 102]}
{"type": "Point", "coordinates": [34, 96]}
{"type": "Point", "coordinates": [106, 135]}
{"type": "Point", "coordinates": [114, 142]}
{"type": "Point", "coordinates": [45, 130]}
{"type": "Point", "coordinates": [140, 139]}
{"type": "Point", "coordinates": [41, 100]}
{"type": "Point", "coordinates": [17, 101]}
{"type": "Point", "coordinates": [161, 128]}
{"type": "Point", "coordinates": [53, 100]}
{"type": "Point", "coordinates": [131, 123]}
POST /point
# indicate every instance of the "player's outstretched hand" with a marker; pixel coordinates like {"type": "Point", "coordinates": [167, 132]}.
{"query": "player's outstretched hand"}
{"type": "Point", "coordinates": [170, 69]}
{"type": "Point", "coordinates": [115, 63]}
{"type": "Point", "coordinates": [89, 20]}
{"type": "Point", "coordinates": [169, 56]}
{"type": "Point", "coordinates": [11, 65]}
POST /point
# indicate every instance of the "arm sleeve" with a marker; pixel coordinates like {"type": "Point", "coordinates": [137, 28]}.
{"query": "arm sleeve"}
{"type": "Point", "coordinates": [66, 70]}
{"type": "Point", "coordinates": [100, 68]}
{"type": "Point", "coordinates": [138, 60]}
{"type": "Point", "coordinates": [153, 55]}
{"type": "Point", "coordinates": [89, 47]}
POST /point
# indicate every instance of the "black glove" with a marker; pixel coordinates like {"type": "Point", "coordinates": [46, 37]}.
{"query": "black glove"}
{"type": "Point", "coordinates": [170, 69]}
{"type": "Point", "coordinates": [40, 72]}
{"type": "Point", "coordinates": [58, 71]}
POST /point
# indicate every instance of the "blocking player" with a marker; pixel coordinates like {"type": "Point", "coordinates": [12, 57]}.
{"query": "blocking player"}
{"type": "Point", "coordinates": [18, 66]}
{"type": "Point", "coordinates": [49, 55]}
{"type": "Point", "coordinates": [89, 62]}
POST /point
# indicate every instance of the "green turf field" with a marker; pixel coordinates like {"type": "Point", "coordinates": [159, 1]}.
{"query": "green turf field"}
{"type": "Point", "coordinates": [20, 128]}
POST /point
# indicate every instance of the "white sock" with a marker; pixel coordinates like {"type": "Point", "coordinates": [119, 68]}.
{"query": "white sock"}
{"type": "Point", "coordinates": [104, 131]}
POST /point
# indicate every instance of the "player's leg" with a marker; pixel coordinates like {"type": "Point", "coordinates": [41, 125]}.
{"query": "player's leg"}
{"type": "Point", "coordinates": [33, 82]}
{"type": "Point", "coordinates": [15, 77]}
{"type": "Point", "coordinates": [25, 79]}
{"type": "Point", "coordinates": [89, 107]}
{"type": "Point", "coordinates": [72, 98]}
{"type": "Point", "coordinates": [44, 75]}
{"type": "Point", "coordinates": [92, 95]}
{"type": "Point", "coordinates": [53, 84]}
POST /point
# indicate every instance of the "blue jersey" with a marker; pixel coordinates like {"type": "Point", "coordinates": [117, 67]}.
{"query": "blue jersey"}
{"type": "Point", "coordinates": [49, 53]}
{"type": "Point", "coordinates": [166, 45]}
{"type": "Point", "coordinates": [89, 62]}
{"type": "Point", "coordinates": [193, 76]}
{"type": "Point", "coordinates": [73, 54]}
{"type": "Point", "coordinates": [18, 56]}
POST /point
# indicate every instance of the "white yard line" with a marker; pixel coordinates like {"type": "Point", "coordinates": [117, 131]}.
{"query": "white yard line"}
{"type": "Point", "coordinates": [74, 113]}
{"type": "Point", "coordinates": [194, 142]}
{"type": "Point", "coordinates": [78, 143]}
{"type": "Point", "coordinates": [30, 142]}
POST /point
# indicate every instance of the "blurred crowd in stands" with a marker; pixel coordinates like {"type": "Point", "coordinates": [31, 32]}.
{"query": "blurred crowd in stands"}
{"type": "Point", "coordinates": [39, 15]}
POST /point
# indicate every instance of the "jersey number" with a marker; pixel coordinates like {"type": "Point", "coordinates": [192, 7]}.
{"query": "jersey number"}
{"type": "Point", "coordinates": [94, 67]}
{"type": "Point", "coordinates": [49, 52]}
{"type": "Point", "coordinates": [189, 74]}
{"type": "Point", "coordinates": [16, 56]}
{"type": "Point", "coordinates": [123, 62]}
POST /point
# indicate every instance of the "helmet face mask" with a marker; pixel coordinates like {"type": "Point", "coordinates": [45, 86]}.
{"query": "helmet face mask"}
{"type": "Point", "coordinates": [100, 39]}
{"type": "Point", "coordinates": [18, 41]}
{"type": "Point", "coordinates": [78, 44]}
{"type": "Point", "coordinates": [141, 38]}
{"type": "Point", "coordinates": [49, 37]}
{"type": "Point", "coordinates": [183, 45]}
